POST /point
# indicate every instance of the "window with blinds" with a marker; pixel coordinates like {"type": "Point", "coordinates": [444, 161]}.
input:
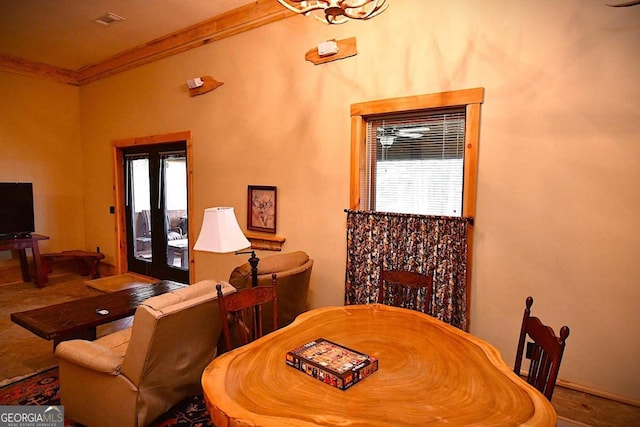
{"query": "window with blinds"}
{"type": "Point", "coordinates": [415, 163]}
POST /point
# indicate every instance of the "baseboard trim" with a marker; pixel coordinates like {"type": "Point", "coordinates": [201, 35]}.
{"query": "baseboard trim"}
{"type": "Point", "coordinates": [568, 422]}
{"type": "Point", "coordinates": [590, 390]}
{"type": "Point", "coordinates": [599, 393]}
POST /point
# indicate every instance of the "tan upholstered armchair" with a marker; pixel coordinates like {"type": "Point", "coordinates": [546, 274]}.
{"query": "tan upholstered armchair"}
{"type": "Point", "coordinates": [293, 272]}
{"type": "Point", "coordinates": [130, 377]}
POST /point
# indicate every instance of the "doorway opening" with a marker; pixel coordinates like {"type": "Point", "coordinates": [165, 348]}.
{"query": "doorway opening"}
{"type": "Point", "coordinates": [153, 206]}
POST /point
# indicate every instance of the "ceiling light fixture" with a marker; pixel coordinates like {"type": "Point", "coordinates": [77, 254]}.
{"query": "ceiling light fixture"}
{"type": "Point", "coordinates": [337, 11]}
{"type": "Point", "coordinates": [387, 140]}
{"type": "Point", "coordinates": [108, 19]}
{"type": "Point", "coordinates": [625, 4]}
{"type": "Point", "coordinates": [414, 133]}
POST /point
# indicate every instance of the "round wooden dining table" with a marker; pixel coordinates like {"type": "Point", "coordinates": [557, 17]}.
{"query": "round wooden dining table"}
{"type": "Point", "coordinates": [429, 373]}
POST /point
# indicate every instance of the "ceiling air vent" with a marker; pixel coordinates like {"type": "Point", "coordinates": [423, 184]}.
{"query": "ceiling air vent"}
{"type": "Point", "coordinates": [108, 19]}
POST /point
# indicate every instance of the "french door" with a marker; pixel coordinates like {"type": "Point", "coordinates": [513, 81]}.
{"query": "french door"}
{"type": "Point", "coordinates": [156, 210]}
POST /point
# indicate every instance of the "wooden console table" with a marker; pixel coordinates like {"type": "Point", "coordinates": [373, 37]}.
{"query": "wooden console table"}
{"type": "Point", "coordinates": [21, 245]}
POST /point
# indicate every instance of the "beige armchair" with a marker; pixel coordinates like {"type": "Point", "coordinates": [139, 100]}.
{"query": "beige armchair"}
{"type": "Point", "coordinates": [130, 377]}
{"type": "Point", "coordinates": [293, 271]}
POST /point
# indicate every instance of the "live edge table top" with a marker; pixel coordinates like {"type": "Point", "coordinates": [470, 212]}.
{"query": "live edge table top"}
{"type": "Point", "coordinates": [79, 318]}
{"type": "Point", "coordinates": [429, 373]}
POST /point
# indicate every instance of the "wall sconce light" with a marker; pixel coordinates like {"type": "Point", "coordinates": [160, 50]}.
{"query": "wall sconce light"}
{"type": "Point", "coordinates": [200, 85]}
{"type": "Point", "coordinates": [332, 50]}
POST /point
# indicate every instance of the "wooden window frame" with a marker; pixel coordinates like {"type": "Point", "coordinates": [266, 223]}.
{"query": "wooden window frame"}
{"type": "Point", "coordinates": [470, 99]}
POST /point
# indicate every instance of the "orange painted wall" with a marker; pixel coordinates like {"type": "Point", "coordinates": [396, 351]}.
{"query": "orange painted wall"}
{"type": "Point", "coordinates": [40, 143]}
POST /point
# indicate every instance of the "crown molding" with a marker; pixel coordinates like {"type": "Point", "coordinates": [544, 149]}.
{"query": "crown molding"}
{"type": "Point", "coordinates": [244, 18]}
{"type": "Point", "coordinates": [29, 68]}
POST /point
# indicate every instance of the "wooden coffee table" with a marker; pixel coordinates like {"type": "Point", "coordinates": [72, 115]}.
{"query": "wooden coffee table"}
{"type": "Point", "coordinates": [79, 318]}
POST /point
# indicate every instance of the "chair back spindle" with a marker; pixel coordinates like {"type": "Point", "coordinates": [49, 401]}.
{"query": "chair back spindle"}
{"type": "Point", "coordinates": [241, 312]}
{"type": "Point", "coordinates": [405, 289]}
{"type": "Point", "coordinates": [545, 351]}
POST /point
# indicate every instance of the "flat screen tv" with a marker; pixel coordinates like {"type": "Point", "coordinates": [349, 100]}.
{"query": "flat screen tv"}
{"type": "Point", "coordinates": [16, 209]}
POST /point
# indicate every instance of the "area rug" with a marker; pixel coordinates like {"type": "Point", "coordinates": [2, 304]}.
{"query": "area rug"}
{"type": "Point", "coordinates": [43, 388]}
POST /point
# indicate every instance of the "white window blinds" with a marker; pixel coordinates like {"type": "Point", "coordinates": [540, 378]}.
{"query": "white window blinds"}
{"type": "Point", "coordinates": [415, 163]}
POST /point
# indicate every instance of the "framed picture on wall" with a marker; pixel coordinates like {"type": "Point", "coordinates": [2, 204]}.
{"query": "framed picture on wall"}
{"type": "Point", "coordinates": [261, 209]}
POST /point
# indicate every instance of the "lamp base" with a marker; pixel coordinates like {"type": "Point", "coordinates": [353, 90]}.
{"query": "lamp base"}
{"type": "Point", "coordinates": [253, 262]}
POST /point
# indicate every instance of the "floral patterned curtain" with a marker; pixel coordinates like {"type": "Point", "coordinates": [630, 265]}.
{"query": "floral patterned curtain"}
{"type": "Point", "coordinates": [414, 243]}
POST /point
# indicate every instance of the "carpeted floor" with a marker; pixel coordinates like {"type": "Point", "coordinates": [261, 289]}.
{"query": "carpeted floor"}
{"type": "Point", "coordinates": [43, 389]}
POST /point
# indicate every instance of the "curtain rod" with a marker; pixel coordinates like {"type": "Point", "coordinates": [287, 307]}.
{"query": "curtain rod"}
{"type": "Point", "coordinates": [467, 219]}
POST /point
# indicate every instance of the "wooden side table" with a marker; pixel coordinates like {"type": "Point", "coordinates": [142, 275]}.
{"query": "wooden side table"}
{"type": "Point", "coordinates": [21, 245]}
{"type": "Point", "coordinates": [88, 262]}
{"type": "Point", "coordinates": [181, 249]}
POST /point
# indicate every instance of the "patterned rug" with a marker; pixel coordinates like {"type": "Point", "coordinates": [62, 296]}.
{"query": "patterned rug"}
{"type": "Point", "coordinates": [43, 389]}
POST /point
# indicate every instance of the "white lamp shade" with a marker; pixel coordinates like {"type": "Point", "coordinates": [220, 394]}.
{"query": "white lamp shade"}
{"type": "Point", "coordinates": [220, 232]}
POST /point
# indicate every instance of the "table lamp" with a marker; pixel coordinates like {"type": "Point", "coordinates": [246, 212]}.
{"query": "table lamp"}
{"type": "Point", "coordinates": [220, 233]}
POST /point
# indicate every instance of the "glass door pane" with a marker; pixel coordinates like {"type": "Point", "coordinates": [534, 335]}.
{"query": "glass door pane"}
{"type": "Point", "coordinates": [174, 186]}
{"type": "Point", "coordinates": [156, 211]}
{"type": "Point", "coordinates": [141, 208]}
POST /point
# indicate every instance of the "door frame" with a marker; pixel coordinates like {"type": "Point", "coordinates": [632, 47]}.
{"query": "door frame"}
{"type": "Point", "coordinates": [121, 223]}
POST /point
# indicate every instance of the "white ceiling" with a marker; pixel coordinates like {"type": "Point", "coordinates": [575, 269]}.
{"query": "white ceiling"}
{"type": "Point", "coordinates": [62, 32]}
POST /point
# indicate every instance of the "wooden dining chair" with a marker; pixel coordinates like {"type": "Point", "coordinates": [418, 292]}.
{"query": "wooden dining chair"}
{"type": "Point", "coordinates": [241, 313]}
{"type": "Point", "coordinates": [545, 352]}
{"type": "Point", "coordinates": [405, 289]}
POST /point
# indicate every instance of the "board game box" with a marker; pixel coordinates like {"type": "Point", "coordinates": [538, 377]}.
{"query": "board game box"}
{"type": "Point", "coordinates": [332, 363]}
